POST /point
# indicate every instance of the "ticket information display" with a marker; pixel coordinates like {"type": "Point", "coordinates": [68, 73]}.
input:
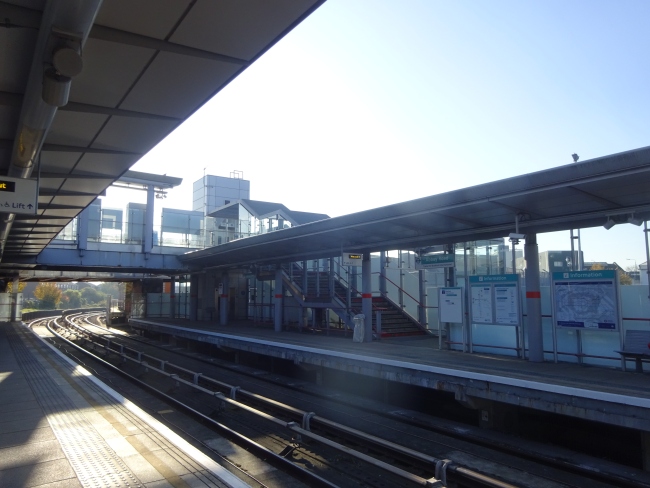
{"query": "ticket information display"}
{"type": "Point", "coordinates": [494, 299]}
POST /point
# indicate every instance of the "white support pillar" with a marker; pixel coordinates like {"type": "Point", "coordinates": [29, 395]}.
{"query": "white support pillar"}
{"type": "Point", "coordinates": [366, 296]}
{"type": "Point", "coordinates": [223, 299]}
{"type": "Point", "coordinates": [277, 300]}
{"type": "Point", "coordinates": [533, 301]}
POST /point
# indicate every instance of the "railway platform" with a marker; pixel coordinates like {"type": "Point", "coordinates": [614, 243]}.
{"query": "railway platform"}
{"type": "Point", "coordinates": [485, 382]}
{"type": "Point", "coordinates": [62, 427]}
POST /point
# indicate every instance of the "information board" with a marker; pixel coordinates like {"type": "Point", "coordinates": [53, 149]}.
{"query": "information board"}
{"type": "Point", "coordinates": [586, 300]}
{"type": "Point", "coordinates": [495, 299]}
{"type": "Point", "coordinates": [450, 305]}
{"type": "Point", "coordinates": [506, 304]}
{"type": "Point", "coordinates": [481, 304]}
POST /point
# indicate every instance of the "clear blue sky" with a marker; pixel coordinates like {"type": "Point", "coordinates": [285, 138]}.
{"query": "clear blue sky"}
{"type": "Point", "coordinates": [373, 102]}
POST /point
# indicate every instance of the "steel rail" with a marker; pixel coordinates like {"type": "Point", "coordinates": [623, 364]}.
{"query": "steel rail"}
{"type": "Point", "coordinates": [306, 417]}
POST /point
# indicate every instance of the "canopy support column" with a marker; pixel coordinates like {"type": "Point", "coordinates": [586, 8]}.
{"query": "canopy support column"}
{"type": "Point", "coordinates": [533, 301]}
{"type": "Point", "coordinates": [366, 296]}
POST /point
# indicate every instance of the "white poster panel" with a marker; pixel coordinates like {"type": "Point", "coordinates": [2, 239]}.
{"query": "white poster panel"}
{"type": "Point", "coordinates": [481, 304]}
{"type": "Point", "coordinates": [450, 305]}
{"type": "Point", "coordinates": [506, 304]}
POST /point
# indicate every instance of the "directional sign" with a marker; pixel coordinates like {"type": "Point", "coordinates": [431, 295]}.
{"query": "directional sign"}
{"type": "Point", "coordinates": [435, 261]}
{"type": "Point", "coordinates": [352, 259]}
{"type": "Point", "coordinates": [18, 196]}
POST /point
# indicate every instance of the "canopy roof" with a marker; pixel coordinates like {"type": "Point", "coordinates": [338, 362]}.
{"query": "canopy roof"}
{"type": "Point", "coordinates": [578, 195]}
{"type": "Point", "coordinates": [147, 65]}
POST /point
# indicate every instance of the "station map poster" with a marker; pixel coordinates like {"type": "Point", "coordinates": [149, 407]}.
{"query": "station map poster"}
{"type": "Point", "coordinates": [495, 299]}
{"type": "Point", "coordinates": [450, 305]}
{"type": "Point", "coordinates": [586, 300]}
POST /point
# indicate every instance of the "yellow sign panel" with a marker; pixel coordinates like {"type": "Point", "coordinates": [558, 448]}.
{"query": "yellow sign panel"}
{"type": "Point", "coordinates": [352, 259]}
{"type": "Point", "coordinates": [7, 185]}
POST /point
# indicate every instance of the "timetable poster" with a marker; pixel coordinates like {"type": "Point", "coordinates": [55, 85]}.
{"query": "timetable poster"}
{"type": "Point", "coordinates": [495, 299]}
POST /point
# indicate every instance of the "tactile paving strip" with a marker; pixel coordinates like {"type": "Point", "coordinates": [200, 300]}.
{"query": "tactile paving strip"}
{"type": "Point", "coordinates": [94, 462]}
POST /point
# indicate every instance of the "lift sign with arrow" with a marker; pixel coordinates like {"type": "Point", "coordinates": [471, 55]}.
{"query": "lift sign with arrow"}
{"type": "Point", "coordinates": [18, 196]}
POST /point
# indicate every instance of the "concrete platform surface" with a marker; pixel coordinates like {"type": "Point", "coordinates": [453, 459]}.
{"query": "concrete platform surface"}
{"type": "Point", "coordinates": [594, 393]}
{"type": "Point", "coordinates": [61, 427]}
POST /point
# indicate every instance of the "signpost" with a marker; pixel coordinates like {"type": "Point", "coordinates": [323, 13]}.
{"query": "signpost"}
{"type": "Point", "coordinates": [352, 259]}
{"type": "Point", "coordinates": [18, 195]}
{"type": "Point", "coordinates": [433, 261]}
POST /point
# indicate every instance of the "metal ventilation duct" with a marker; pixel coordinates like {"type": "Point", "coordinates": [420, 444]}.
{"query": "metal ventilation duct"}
{"type": "Point", "coordinates": [65, 26]}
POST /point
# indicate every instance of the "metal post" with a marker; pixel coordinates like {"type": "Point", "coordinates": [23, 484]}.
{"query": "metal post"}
{"type": "Point", "coordinates": [331, 277]}
{"type": "Point", "coordinates": [223, 299]}
{"type": "Point", "coordinates": [378, 324]}
{"type": "Point", "coordinates": [194, 297]}
{"type": "Point", "coordinates": [400, 292]}
{"type": "Point", "coordinates": [82, 230]}
{"type": "Point", "coordinates": [467, 322]}
{"type": "Point", "coordinates": [382, 273]}
{"type": "Point", "coordinates": [647, 254]}
{"type": "Point", "coordinates": [366, 296]}
{"type": "Point", "coordinates": [277, 321]}
{"type": "Point", "coordinates": [422, 308]}
{"type": "Point", "coordinates": [172, 298]}
{"type": "Point", "coordinates": [581, 261]}
{"type": "Point", "coordinates": [450, 274]}
{"type": "Point", "coordinates": [573, 253]}
{"type": "Point", "coordinates": [147, 241]}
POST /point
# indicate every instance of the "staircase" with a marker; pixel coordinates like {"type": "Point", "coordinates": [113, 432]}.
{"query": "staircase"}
{"type": "Point", "coordinates": [394, 321]}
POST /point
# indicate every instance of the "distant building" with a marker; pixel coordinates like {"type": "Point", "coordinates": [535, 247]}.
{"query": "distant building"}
{"type": "Point", "coordinates": [213, 192]}
{"type": "Point", "coordinates": [560, 261]}
{"type": "Point", "coordinates": [66, 285]}
{"type": "Point", "coordinates": [643, 273]}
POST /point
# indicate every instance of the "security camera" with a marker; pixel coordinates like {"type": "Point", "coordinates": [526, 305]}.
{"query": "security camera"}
{"type": "Point", "coordinates": [517, 236]}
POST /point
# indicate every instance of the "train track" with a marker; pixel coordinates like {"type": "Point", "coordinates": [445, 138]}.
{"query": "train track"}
{"type": "Point", "coordinates": [349, 446]}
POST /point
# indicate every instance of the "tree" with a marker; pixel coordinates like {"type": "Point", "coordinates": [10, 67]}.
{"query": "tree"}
{"type": "Point", "coordinates": [92, 296]}
{"type": "Point", "coordinates": [74, 298]}
{"type": "Point", "coordinates": [624, 278]}
{"type": "Point", "coordinates": [48, 295]}
{"type": "Point", "coordinates": [110, 288]}
{"type": "Point", "coordinates": [596, 267]}
{"type": "Point", "coordinates": [21, 286]}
